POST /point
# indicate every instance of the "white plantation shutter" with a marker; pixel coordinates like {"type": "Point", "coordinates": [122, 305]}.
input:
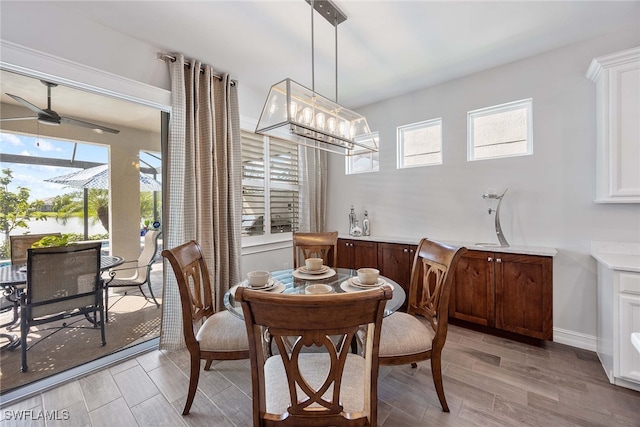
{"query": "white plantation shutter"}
{"type": "Point", "coordinates": [253, 195]}
{"type": "Point", "coordinates": [269, 205]}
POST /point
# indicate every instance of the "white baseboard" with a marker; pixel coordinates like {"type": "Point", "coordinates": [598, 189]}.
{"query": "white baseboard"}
{"type": "Point", "coordinates": [575, 339]}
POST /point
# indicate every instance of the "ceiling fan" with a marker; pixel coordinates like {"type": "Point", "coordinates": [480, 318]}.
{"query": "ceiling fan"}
{"type": "Point", "coordinates": [50, 117]}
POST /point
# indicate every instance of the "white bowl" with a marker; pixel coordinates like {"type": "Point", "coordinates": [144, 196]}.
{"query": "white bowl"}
{"type": "Point", "coordinates": [313, 263]}
{"type": "Point", "coordinates": [258, 278]}
{"type": "Point", "coordinates": [318, 289]}
{"type": "Point", "coordinates": [368, 276]}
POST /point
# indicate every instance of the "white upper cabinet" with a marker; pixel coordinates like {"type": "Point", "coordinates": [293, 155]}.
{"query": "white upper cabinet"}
{"type": "Point", "coordinates": [617, 79]}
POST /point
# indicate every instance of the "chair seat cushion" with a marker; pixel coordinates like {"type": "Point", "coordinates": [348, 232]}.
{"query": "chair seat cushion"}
{"type": "Point", "coordinates": [223, 332]}
{"type": "Point", "coordinates": [403, 334]}
{"type": "Point", "coordinates": [315, 368]}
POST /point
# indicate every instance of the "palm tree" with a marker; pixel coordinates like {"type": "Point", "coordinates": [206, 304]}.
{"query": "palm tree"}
{"type": "Point", "coordinates": [71, 204]}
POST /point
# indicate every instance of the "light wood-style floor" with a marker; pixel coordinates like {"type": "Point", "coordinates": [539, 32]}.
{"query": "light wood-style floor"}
{"type": "Point", "coordinates": [489, 381]}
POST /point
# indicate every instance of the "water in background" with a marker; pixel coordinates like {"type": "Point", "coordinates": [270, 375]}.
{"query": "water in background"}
{"type": "Point", "coordinates": [73, 225]}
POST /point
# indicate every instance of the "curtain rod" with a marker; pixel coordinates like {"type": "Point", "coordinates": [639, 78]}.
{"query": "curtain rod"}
{"type": "Point", "coordinates": [164, 57]}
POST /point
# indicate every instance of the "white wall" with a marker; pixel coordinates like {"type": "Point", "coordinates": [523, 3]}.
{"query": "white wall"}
{"type": "Point", "coordinates": [550, 198]}
{"type": "Point", "coordinates": [550, 193]}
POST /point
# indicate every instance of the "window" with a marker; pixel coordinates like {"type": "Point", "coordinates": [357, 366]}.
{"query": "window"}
{"type": "Point", "coordinates": [500, 131]}
{"type": "Point", "coordinates": [362, 161]}
{"type": "Point", "coordinates": [420, 144]}
{"type": "Point", "coordinates": [269, 189]}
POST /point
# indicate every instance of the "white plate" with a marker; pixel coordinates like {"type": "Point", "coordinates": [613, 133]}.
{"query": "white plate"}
{"type": "Point", "coordinates": [348, 287]}
{"type": "Point", "coordinates": [277, 289]}
{"type": "Point", "coordinates": [353, 281]}
{"type": "Point", "coordinates": [270, 284]}
{"type": "Point", "coordinates": [300, 275]}
{"type": "Point", "coordinates": [318, 289]}
{"type": "Point", "coordinates": [321, 270]}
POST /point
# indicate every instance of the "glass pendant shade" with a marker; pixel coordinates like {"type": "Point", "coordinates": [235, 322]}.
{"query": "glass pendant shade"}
{"type": "Point", "coordinates": [317, 121]}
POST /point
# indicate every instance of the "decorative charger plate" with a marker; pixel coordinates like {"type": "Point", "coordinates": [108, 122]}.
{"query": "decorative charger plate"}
{"type": "Point", "coordinates": [270, 284]}
{"type": "Point", "coordinates": [354, 281]}
{"type": "Point", "coordinates": [300, 275]}
{"type": "Point", "coordinates": [348, 287]}
{"type": "Point", "coordinates": [276, 288]}
{"type": "Point", "coordinates": [321, 270]}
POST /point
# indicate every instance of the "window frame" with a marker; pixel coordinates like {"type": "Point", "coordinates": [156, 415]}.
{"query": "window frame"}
{"type": "Point", "coordinates": [400, 157]}
{"type": "Point", "coordinates": [526, 103]}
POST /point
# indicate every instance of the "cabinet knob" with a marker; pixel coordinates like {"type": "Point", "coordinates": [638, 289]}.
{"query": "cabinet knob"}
{"type": "Point", "coordinates": [405, 250]}
{"type": "Point", "coordinates": [489, 259]}
{"type": "Point", "coordinates": [498, 260]}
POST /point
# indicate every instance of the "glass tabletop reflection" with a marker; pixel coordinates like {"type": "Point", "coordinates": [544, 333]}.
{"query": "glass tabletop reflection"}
{"type": "Point", "coordinates": [291, 281]}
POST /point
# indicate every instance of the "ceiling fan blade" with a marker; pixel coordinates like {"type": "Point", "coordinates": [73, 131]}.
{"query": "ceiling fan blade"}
{"type": "Point", "coordinates": [89, 125]}
{"type": "Point", "coordinates": [29, 105]}
{"type": "Point", "coordinates": [14, 119]}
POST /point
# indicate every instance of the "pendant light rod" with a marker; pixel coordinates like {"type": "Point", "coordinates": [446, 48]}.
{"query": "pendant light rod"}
{"type": "Point", "coordinates": [313, 63]}
{"type": "Point", "coordinates": [335, 30]}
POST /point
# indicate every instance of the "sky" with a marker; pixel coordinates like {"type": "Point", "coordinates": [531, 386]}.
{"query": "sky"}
{"type": "Point", "coordinates": [33, 176]}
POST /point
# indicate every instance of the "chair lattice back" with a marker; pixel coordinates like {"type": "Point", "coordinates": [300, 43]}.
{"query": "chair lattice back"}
{"type": "Point", "coordinates": [431, 278]}
{"type": "Point", "coordinates": [313, 336]}
{"type": "Point", "coordinates": [194, 285]}
{"type": "Point", "coordinates": [315, 245]}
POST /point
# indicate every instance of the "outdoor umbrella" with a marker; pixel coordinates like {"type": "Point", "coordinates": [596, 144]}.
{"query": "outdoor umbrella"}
{"type": "Point", "coordinates": [97, 177]}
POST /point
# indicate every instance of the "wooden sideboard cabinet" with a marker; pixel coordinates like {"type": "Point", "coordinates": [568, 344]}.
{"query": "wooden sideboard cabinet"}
{"type": "Point", "coordinates": [510, 292]}
{"type": "Point", "coordinates": [395, 261]}
{"type": "Point", "coordinates": [355, 254]}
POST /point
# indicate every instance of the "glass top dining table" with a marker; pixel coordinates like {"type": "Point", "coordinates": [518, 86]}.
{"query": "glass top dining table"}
{"type": "Point", "coordinates": [291, 281]}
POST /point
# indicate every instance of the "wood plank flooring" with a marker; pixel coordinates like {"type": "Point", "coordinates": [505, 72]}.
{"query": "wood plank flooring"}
{"type": "Point", "coordinates": [489, 381]}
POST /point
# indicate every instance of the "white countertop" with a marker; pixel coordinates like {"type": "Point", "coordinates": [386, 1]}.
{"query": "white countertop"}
{"type": "Point", "coordinates": [525, 250]}
{"type": "Point", "coordinates": [617, 256]}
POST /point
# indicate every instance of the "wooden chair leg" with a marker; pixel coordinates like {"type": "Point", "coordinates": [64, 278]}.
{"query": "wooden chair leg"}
{"type": "Point", "coordinates": [436, 371]}
{"type": "Point", "coordinates": [207, 365]}
{"type": "Point", "coordinates": [194, 376]}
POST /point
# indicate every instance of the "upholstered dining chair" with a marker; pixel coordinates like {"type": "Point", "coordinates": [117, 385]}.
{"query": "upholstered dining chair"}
{"type": "Point", "coordinates": [407, 339]}
{"type": "Point", "coordinates": [314, 380]}
{"type": "Point", "coordinates": [209, 335]}
{"type": "Point", "coordinates": [135, 273]}
{"type": "Point", "coordinates": [315, 245]}
{"type": "Point", "coordinates": [62, 282]}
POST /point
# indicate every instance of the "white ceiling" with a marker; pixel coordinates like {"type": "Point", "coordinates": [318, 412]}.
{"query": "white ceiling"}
{"type": "Point", "coordinates": [386, 48]}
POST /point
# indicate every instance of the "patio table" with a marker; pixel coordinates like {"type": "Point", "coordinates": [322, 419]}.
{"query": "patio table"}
{"type": "Point", "coordinates": [13, 278]}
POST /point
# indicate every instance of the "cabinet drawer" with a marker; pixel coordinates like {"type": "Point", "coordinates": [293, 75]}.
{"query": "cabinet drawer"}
{"type": "Point", "coordinates": [630, 283]}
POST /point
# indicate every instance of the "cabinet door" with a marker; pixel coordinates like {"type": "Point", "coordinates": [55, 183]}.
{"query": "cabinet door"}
{"type": "Point", "coordinates": [472, 294]}
{"type": "Point", "coordinates": [365, 254]}
{"type": "Point", "coordinates": [524, 294]}
{"type": "Point", "coordinates": [345, 253]}
{"type": "Point", "coordinates": [629, 322]}
{"type": "Point", "coordinates": [394, 262]}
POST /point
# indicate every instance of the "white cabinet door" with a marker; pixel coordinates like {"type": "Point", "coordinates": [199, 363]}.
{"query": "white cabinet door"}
{"type": "Point", "coordinates": [629, 323]}
{"type": "Point", "coordinates": [617, 78]}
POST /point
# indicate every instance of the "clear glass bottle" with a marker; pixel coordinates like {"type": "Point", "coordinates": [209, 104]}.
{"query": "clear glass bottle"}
{"type": "Point", "coordinates": [356, 230]}
{"type": "Point", "coordinates": [366, 230]}
{"type": "Point", "coordinates": [352, 220]}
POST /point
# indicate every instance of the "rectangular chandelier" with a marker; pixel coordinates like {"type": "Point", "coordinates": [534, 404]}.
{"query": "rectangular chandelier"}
{"type": "Point", "coordinates": [317, 121]}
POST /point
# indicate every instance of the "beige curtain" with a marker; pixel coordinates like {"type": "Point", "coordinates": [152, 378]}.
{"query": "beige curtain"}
{"type": "Point", "coordinates": [313, 189]}
{"type": "Point", "coordinates": [203, 182]}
